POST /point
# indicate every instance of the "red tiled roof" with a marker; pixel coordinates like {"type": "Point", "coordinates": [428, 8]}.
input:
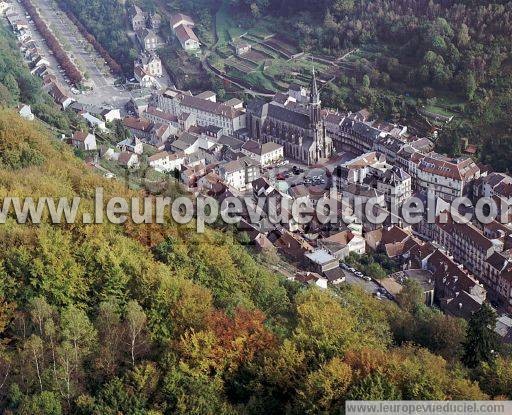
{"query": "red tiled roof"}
{"type": "Point", "coordinates": [137, 123]}
{"type": "Point", "coordinates": [184, 33]}
{"type": "Point", "coordinates": [80, 135]}
{"type": "Point", "coordinates": [178, 17]}
{"type": "Point", "coordinates": [458, 169]}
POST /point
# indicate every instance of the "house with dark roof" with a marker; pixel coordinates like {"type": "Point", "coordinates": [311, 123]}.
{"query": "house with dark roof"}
{"type": "Point", "coordinates": [456, 291]}
{"type": "Point", "coordinates": [137, 17]}
{"type": "Point", "coordinates": [148, 39]}
{"type": "Point", "coordinates": [83, 140]}
{"type": "Point", "coordinates": [59, 95]}
{"type": "Point", "coordinates": [128, 159]}
{"type": "Point", "coordinates": [140, 127]}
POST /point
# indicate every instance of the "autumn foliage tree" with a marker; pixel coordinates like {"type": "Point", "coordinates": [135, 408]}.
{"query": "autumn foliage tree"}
{"type": "Point", "coordinates": [69, 67]}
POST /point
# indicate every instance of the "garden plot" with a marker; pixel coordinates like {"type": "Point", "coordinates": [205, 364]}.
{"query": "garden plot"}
{"type": "Point", "coordinates": [239, 65]}
{"type": "Point", "coordinates": [282, 45]}
{"type": "Point", "coordinates": [256, 56]}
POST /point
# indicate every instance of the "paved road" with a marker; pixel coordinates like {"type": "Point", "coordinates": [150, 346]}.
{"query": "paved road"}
{"type": "Point", "coordinates": [88, 60]}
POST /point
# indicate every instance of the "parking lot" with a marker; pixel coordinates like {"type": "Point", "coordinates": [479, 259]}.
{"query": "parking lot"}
{"type": "Point", "coordinates": [84, 55]}
{"type": "Point", "coordinates": [371, 287]}
{"type": "Point", "coordinates": [18, 8]}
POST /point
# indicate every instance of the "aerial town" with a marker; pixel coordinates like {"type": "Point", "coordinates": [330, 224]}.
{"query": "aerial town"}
{"type": "Point", "coordinates": [292, 147]}
{"type": "Point", "coordinates": [264, 207]}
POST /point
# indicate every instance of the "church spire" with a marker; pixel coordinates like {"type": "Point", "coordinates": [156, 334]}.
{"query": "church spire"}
{"type": "Point", "coordinates": [314, 100]}
{"type": "Point", "coordinates": [314, 96]}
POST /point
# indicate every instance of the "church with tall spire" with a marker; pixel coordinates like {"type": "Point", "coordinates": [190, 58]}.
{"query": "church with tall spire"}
{"type": "Point", "coordinates": [292, 122]}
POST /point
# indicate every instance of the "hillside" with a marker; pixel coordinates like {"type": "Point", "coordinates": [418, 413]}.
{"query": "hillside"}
{"type": "Point", "coordinates": [18, 85]}
{"type": "Point", "coordinates": [447, 57]}
{"type": "Point", "coordinates": [109, 319]}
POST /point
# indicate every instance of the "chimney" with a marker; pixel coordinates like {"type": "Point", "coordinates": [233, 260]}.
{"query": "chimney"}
{"type": "Point", "coordinates": [460, 306]}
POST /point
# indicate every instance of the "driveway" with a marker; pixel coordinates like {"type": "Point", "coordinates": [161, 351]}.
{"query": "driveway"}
{"type": "Point", "coordinates": [370, 287]}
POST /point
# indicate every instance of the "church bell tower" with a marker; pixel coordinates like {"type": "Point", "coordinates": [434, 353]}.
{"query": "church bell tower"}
{"type": "Point", "coordinates": [314, 102]}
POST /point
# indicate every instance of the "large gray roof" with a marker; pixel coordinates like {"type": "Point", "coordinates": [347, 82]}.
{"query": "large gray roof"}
{"type": "Point", "coordinates": [286, 115]}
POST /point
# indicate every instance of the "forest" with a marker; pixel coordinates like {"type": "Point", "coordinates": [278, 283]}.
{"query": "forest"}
{"type": "Point", "coordinates": [106, 22]}
{"type": "Point", "coordinates": [157, 319]}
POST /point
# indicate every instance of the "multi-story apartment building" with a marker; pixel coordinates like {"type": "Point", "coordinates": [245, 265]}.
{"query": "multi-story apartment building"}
{"type": "Point", "coordinates": [157, 116]}
{"type": "Point", "coordinates": [395, 184]}
{"type": "Point", "coordinates": [447, 178]}
{"type": "Point", "coordinates": [498, 276]}
{"type": "Point", "coordinates": [470, 247]}
{"type": "Point", "coordinates": [265, 154]}
{"type": "Point", "coordinates": [206, 111]}
{"type": "Point", "coordinates": [373, 171]}
{"type": "Point", "coordinates": [239, 173]}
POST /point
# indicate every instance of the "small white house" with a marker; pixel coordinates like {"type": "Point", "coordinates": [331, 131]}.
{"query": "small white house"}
{"type": "Point", "coordinates": [242, 48]}
{"type": "Point", "coordinates": [310, 278]}
{"type": "Point", "coordinates": [83, 140]}
{"type": "Point", "coordinates": [111, 114]}
{"type": "Point", "coordinates": [132, 144]}
{"type": "Point", "coordinates": [4, 6]}
{"type": "Point", "coordinates": [165, 162]}
{"type": "Point", "coordinates": [40, 61]}
{"type": "Point", "coordinates": [143, 78]}
{"type": "Point", "coordinates": [94, 122]}
{"type": "Point", "coordinates": [25, 112]}
{"type": "Point", "coordinates": [128, 160]}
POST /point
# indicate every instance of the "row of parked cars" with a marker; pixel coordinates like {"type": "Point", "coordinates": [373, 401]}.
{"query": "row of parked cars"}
{"type": "Point", "coordinates": [355, 272]}
{"type": "Point", "coordinates": [315, 180]}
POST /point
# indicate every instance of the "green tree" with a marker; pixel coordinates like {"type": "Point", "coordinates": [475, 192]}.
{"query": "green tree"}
{"type": "Point", "coordinates": [366, 81]}
{"type": "Point", "coordinates": [79, 331]}
{"type": "Point", "coordinates": [470, 87]}
{"type": "Point", "coordinates": [135, 323]}
{"type": "Point", "coordinates": [44, 403]}
{"type": "Point", "coordinates": [12, 85]}
{"type": "Point", "coordinates": [411, 296]}
{"type": "Point", "coordinates": [481, 343]}
{"type": "Point", "coordinates": [374, 387]}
